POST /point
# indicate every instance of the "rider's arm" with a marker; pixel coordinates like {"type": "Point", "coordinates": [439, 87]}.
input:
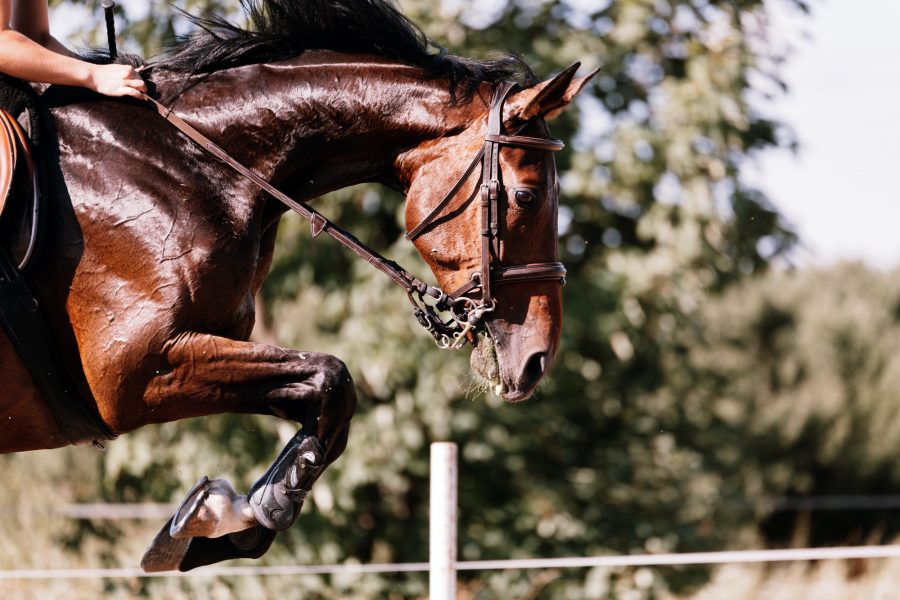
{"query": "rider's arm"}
{"type": "Point", "coordinates": [31, 19]}
{"type": "Point", "coordinates": [29, 52]}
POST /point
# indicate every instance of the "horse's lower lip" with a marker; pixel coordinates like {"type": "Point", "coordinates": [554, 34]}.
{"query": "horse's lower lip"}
{"type": "Point", "coordinates": [514, 395]}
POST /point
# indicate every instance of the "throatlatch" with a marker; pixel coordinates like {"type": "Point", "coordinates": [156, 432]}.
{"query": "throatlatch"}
{"type": "Point", "coordinates": [277, 497]}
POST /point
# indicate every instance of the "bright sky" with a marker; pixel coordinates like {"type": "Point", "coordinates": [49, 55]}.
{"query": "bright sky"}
{"type": "Point", "coordinates": [843, 191]}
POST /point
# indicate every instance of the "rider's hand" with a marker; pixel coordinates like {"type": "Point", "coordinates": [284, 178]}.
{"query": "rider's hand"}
{"type": "Point", "coordinates": [117, 80]}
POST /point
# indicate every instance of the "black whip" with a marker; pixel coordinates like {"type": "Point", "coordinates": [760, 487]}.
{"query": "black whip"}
{"type": "Point", "coordinates": [108, 7]}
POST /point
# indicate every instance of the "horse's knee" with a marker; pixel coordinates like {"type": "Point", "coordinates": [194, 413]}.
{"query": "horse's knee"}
{"type": "Point", "coordinates": [337, 387]}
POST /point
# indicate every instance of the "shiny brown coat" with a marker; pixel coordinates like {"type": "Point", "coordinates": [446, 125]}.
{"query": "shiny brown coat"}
{"type": "Point", "coordinates": [156, 251]}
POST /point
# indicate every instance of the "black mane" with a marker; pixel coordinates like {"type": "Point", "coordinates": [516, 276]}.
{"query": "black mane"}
{"type": "Point", "coordinates": [282, 29]}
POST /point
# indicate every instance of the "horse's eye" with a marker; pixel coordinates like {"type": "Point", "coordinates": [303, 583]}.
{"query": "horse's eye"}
{"type": "Point", "coordinates": [525, 197]}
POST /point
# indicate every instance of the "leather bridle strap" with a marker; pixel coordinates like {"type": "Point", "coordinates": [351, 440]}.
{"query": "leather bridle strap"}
{"type": "Point", "coordinates": [490, 273]}
{"type": "Point", "coordinates": [524, 141]}
{"type": "Point", "coordinates": [437, 210]}
{"type": "Point", "coordinates": [520, 141]}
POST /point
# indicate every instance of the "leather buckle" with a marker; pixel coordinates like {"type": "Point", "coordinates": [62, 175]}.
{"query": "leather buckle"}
{"type": "Point", "coordinates": [494, 189]}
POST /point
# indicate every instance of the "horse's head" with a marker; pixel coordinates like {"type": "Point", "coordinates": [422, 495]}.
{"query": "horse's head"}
{"type": "Point", "coordinates": [503, 234]}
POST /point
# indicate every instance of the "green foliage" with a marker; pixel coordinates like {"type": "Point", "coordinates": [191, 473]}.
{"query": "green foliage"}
{"type": "Point", "coordinates": [816, 411]}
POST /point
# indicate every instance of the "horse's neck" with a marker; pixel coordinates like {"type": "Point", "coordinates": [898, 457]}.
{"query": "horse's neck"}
{"type": "Point", "coordinates": [320, 125]}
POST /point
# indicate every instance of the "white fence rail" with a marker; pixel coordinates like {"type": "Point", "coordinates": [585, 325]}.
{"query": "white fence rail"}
{"type": "Point", "coordinates": [636, 560]}
{"type": "Point", "coordinates": [154, 511]}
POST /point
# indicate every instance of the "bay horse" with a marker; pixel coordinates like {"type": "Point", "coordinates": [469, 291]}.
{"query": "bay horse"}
{"type": "Point", "coordinates": [156, 249]}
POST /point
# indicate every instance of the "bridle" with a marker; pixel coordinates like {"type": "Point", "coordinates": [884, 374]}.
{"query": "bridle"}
{"type": "Point", "coordinates": [452, 318]}
{"type": "Point", "coordinates": [467, 313]}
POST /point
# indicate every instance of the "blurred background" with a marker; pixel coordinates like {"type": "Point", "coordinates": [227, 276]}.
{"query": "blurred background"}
{"type": "Point", "coordinates": [729, 375]}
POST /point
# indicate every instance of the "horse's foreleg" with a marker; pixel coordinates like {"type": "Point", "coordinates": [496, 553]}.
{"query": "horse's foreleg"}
{"type": "Point", "coordinates": [204, 375]}
{"type": "Point", "coordinates": [210, 375]}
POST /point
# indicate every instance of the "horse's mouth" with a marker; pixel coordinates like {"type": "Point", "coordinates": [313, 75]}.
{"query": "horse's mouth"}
{"type": "Point", "coordinates": [486, 365]}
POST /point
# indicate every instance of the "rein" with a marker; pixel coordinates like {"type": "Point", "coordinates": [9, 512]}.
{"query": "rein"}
{"type": "Point", "coordinates": [449, 318]}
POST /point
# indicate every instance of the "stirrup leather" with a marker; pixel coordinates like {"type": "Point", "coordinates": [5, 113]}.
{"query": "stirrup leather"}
{"type": "Point", "coordinates": [14, 147]}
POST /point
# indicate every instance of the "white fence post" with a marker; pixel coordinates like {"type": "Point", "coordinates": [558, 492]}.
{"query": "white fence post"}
{"type": "Point", "coordinates": [442, 523]}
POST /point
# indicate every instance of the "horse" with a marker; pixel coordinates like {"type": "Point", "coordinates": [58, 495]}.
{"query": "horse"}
{"type": "Point", "coordinates": [156, 249]}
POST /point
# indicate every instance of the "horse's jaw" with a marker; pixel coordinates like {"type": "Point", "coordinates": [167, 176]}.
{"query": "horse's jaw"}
{"type": "Point", "coordinates": [513, 355]}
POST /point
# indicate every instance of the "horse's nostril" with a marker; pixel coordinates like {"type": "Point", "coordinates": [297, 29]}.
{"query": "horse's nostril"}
{"type": "Point", "coordinates": [535, 367]}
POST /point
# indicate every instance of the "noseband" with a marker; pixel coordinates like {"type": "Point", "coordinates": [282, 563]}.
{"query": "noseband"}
{"type": "Point", "coordinates": [450, 318]}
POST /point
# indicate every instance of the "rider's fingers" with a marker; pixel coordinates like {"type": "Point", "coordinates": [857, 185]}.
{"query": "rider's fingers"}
{"type": "Point", "coordinates": [130, 91]}
{"type": "Point", "coordinates": [137, 84]}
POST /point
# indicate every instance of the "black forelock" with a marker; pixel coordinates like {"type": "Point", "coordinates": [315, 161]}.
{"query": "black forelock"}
{"type": "Point", "coordinates": [282, 29]}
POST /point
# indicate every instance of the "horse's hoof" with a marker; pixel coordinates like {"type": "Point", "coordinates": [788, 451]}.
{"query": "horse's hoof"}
{"type": "Point", "coordinates": [164, 553]}
{"type": "Point", "coordinates": [184, 554]}
{"type": "Point", "coordinates": [211, 509]}
{"type": "Point", "coordinates": [186, 515]}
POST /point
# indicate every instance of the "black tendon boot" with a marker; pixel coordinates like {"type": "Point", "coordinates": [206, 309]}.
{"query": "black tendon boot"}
{"type": "Point", "coordinates": [276, 498]}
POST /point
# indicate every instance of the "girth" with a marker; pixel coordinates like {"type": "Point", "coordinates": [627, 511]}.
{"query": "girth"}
{"type": "Point", "coordinates": [450, 318]}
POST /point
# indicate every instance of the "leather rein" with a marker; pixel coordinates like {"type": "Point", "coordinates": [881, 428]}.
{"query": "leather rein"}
{"type": "Point", "coordinates": [451, 318]}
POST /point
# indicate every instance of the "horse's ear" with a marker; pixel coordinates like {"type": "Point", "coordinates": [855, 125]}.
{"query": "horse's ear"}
{"type": "Point", "coordinates": [547, 99]}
